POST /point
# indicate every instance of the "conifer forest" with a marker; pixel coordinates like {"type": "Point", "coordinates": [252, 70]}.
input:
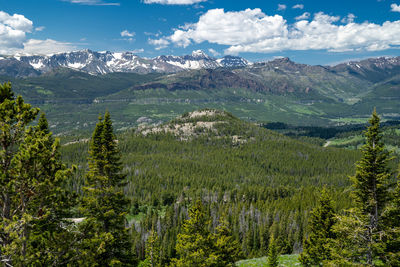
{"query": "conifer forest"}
{"type": "Point", "coordinates": [202, 189]}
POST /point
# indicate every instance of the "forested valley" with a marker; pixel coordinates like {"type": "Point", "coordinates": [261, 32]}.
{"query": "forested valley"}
{"type": "Point", "coordinates": [205, 189]}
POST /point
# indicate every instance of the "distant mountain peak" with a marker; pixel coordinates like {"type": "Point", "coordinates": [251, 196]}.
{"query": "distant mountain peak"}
{"type": "Point", "coordinates": [199, 54]}
{"type": "Point", "coordinates": [229, 61]}
{"type": "Point", "coordinates": [282, 60]}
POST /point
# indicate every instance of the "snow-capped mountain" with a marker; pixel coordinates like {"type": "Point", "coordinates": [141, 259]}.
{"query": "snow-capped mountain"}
{"type": "Point", "coordinates": [106, 62]}
{"type": "Point", "coordinates": [197, 60]}
{"type": "Point", "coordinates": [232, 62]}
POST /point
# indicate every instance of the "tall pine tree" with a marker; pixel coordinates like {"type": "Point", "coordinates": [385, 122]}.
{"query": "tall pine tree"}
{"type": "Point", "coordinates": [316, 248]}
{"type": "Point", "coordinates": [194, 243]}
{"type": "Point", "coordinates": [392, 222]}
{"type": "Point", "coordinates": [39, 181]}
{"type": "Point", "coordinates": [226, 249]}
{"type": "Point", "coordinates": [361, 232]}
{"type": "Point", "coordinates": [34, 203]}
{"type": "Point", "coordinates": [15, 115]}
{"type": "Point", "coordinates": [106, 240]}
{"type": "Point", "coordinates": [273, 253]}
{"type": "Point", "coordinates": [153, 250]}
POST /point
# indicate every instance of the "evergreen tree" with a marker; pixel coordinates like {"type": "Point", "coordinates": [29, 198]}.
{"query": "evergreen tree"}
{"type": "Point", "coordinates": [361, 232]}
{"type": "Point", "coordinates": [34, 204]}
{"type": "Point", "coordinates": [226, 249]}
{"type": "Point", "coordinates": [39, 181]}
{"type": "Point", "coordinates": [316, 248]}
{"type": "Point", "coordinates": [392, 221]}
{"type": "Point", "coordinates": [194, 243]}
{"type": "Point", "coordinates": [106, 240]}
{"type": "Point", "coordinates": [15, 115]}
{"type": "Point", "coordinates": [273, 253]}
{"type": "Point", "coordinates": [153, 250]}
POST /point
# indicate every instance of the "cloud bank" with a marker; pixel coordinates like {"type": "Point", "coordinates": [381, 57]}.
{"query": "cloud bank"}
{"type": "Point", "coordinates": [13, 31]}
{"type": "Point", "coordinates": [45, 47]}
{"type": "Point", "coordinates": [251, 30]}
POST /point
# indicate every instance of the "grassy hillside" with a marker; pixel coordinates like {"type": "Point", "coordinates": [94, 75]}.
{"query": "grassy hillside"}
{"type": "Point", "coordinates": [355, 139]}
{"type": "Point", "coordinates": [284, 260]}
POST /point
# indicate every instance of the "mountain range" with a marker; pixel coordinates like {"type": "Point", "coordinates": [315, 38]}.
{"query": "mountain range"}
{"type": "Point", "coordinates": [73, 88]}
{"type": "Point", "coordinates": [96, 63]}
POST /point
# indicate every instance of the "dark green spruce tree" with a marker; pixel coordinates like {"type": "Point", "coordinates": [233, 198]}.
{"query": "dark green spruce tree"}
{"type": "Point", "coordinates": [226, 249]}
{"type": "Point", "coordinates": [34, 205]}
{"type": "Point", "coordinates": [317, 247]}
{"type": "Point", "coordinates": [392, 221]}
{"type": "Point", "coordinates": [15, 115]}
{"type": "Point", "coordinates": [39, 181]}
{"type": "Point", "coordinates": [361, 233]}
{"type": "Point", "coordinates": [194, 243]}
{"type": "Point", "coordinates": [106, 240]}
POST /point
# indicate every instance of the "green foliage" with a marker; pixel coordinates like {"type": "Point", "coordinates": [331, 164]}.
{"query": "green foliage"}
{"type": "Point", "coordinates": [194, 243]}
{"type": "Point", "coordinates": [273, 253]}
{"type": "Point", "coordinates": [106, 241]}
{"type": "Point", "coordinates": [316, 248]}
{"type": "Point", "coordinates": [153, 251]}
{"type": "Point", "coordinates": [226, 250]}
{"type": "Point", "coordinates": [392, 221]}
{"type": "Point", "coordinates": [361, 232]}
{"type": "Point", "coordinates": [197, 246]}
{"type": "Point", "coordinates": [284, 260]}
{"type": "Point", "coordinates": [34, 202]}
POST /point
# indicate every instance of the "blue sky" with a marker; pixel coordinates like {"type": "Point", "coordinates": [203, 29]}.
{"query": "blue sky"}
{"type": "Point", "coordinates": [312, 32]}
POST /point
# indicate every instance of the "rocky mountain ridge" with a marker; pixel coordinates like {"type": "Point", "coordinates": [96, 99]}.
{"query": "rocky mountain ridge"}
{"type": "Point", "coordinates": [98, 63]}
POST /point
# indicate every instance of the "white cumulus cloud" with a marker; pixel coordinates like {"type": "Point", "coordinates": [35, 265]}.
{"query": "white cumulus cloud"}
{"type": "Point", "coordinates": [40, 28]}
{"type": "Point", "coordinates": [13, 37]}
{"type": "Point", "coordinates": [395, 8]}
{"type": "Point", "coordinates": [16, 22]}
{"type": "Point", "coordinates": [281, 7]}
{"type": "Point", "coordinates": [159, 43]}
{"type": "Point", "coordinates": [92, 2]}
{"type": "Point", "coordinates": [46, 47]}
{"type": "Point", "coordinates": [139, 50]}
{"type": "Point", "coordinates": [349, 19]}
{"type": "Point", "coordinates": [251, 30]}
{"type": "Point", "coordinates": [13, 30]}
{"type": "Point", "coordinates": [173, 2]}
{"type": "Point", "coordinates": [227, 28]}
{"type": "Point", "coordinates": [305, 15]}
{"type": "Point", "coordinates": [214, 52]}
{"type": "Point", "coordinates": [298, 6]}
{"type": "Point", "coordinates": [127, 33]}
